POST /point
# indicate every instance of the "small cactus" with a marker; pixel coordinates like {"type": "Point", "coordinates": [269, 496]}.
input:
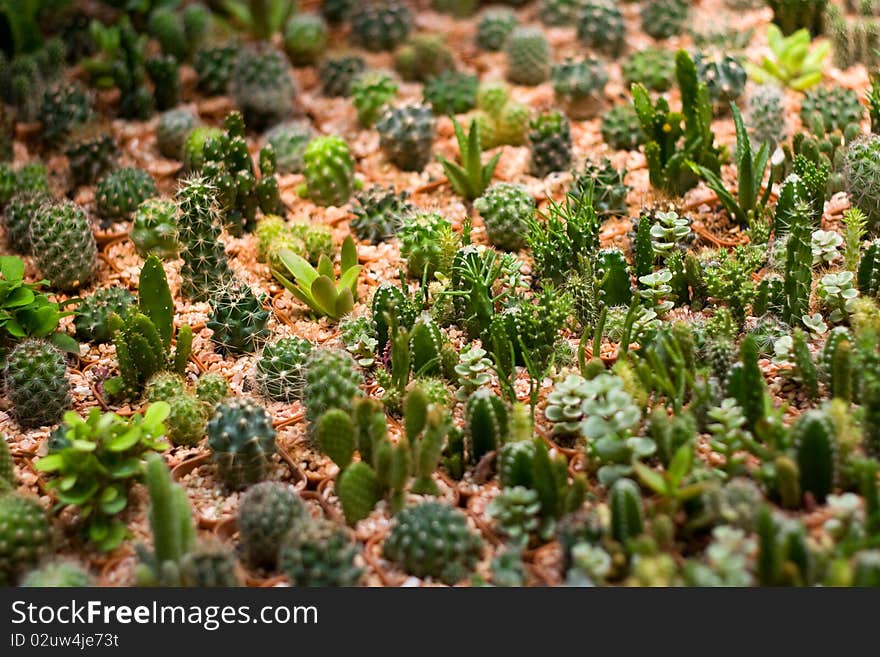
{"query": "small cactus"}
{"type": "Point", "coordinates": [241, 439]}
{"type": "Point", "coordinates": [329, 171]}
{"type": "Point", "coordinates": [268, 511]}
{"type": "Point", "coordinates": [37, 384]}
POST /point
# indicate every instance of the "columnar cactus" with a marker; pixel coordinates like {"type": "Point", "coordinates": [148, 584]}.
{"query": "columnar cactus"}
{"type": "Point", "coordinates": [486, 421]}
{"type": "Point", "coordinates": [861, 179]}
{"type": "Point", "coordinates": [816, 454]}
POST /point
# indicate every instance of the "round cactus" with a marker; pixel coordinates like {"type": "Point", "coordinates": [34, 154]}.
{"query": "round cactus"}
{"type": "Point", "coordinates": [763, 116]}
{"type": "Point", "coordinates": [17, 217]}
{"type": "Point", "coordinates": [528, 56]}
{"type": "Point", "coordinates": [580, 87]}
{"type": "Point", "coordinates": [280, 369]}
{"type": "Point", "coordinates": [833, 108]}
{"type": "Point", "coordinates": [621, 128]}
{"type": "Point", "coordinates": [154, 229]}
{"type": "Point", "coordinates": [653, 67]}
{"type": "Point", "coordinates": [337, 74]}
{"type": "Point", "coordinates": [305, 37]}
{"type": "Point", "coordinates": [332, 381]}
{"type": "Point", "coordinates": [185, 424]}
{"type": "Point", "coordinates": [214, 67]}
{"type": "Point", "coordinates": [371, 91]}
{"type": "Point", "coordinates": [267, 513]}
{"type": "Point", "coordinates": [238, 319]}
{"type": "Point", "coordinates": [494, 26]}
{"type": "Point", "coordinates": [25, 536]}
{"type": "Point", "coordinates": [550, 144]}
{"type": "Point", "coordinates": [194, 146]}
{"type": "Point", "coordinates": [662, 19]}
{"type": "Point", "coordinates": [422, 57]}
{"type": "Point", "coordinates": [329, 170]}
{"type": "Point", "coordinates": [319, 553]}
{"type": "Point", "coordinates": [380, 24]}
{"type": "Point", "coordinates": [725, 77]}
{"type": "Point", "coordinates": [212, 388]}
{"type": "Point", "coordinates": [58, 574]}
{"type": "Point", "coordinates": [406, 134]}
{"type": "Point", "coordinates": [63, 245]}
{"type": "Point", "coordinates": [172, 130]}
{"type": "Point", "coordinates": [162, 386]}
{"type": "Point", "coordinates": [119, 193]}
{"type": "Point", "coordinates": [861, 177]}
{"type": "Point", "coordinates": [210, 564]}
{"type": "Point", "coordinates": [419, 243]}
{"type": "Point", "coordinates": [290, 140]}
{"type": "Point", "coordinates": [600, 25]}
{"type": "Point", "coordinates": [241, 439]}
{"type": "Point", "coordinates": [93, 313]}
{"type": "Point", "coordinates": [451, 92]}
{"type": "Point", "coordinates": [90, 151]}
{"type": "Point", "coordinates": [37, 383]}
{"type": "Point", "coordinates": [506, 209]}
{"type": "Point", "coordinates": [433, 540]}
{"type": "Point", "coordinates": [378, 214]}
{"type": "Point", "coordinates": [63, 108]}
{"type": "Point", "coordinates": [262, 87]}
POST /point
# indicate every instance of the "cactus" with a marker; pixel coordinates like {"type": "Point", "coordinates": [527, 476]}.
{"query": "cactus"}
{"type": "Point", "coordinates": [331, 381]}
{"type": "Point", "coordinates": [426, 425]}
{"type": "Point", "coordinates": [92, 321]}
{"type": "Point", "coordinates": [451, 92]}
{"type": "Point", "coordinates": [798, 267]}
{"type": "Point", "coordinates": [36, 382]}
{"type": "Point", "coordinates": [212, 388]}
{"type": "Point", "coordinates": [840, 370]}
{"type": "Point", "coordinates": [242, 440]}
{"type": "Point", "coordinates": [600, 26]}
{"type": "Point", "coordinates": [420, 244]}
{"type": "Point", "coordinates": [580, 87]}
{"type": "Point", "coordinates": [371, 92]}
{"type": "Point", "coordinates": [63, 108]}
{"type": "Point", "coordinates": [305, 37]}
{"type": "Point", "coordinates": [289, 140]}
{"type": "Point", "coordinates": [359, 490]}
{"type": "Point", "coordinates": [654, 67]}
{"type": "Point", "coordinates": [280, 369]}
{"type": "Point", "coordinates": [861, 180]}
{"type": "Point", "coordinates": [406, 134]}
{"type": "Point", "coordinates": [422, 57]}
{"type": "Point", "coordinates": [604, 185]}
{"type": "Point", "coordinates": [816, 451]}
{"type": "Point", "coordinates": [7, 468]}
{"type": "Point", "coordinates": [214, 66]}
{"type": "Point", "coordinates": [195, 143]}
{"type": "Point", "coordinates": [764, 107]}
{"type": "Point", "coordinates": [17, 217]}
{"type": "Point", "coordinates": [91, 151]}
{"type": "Point", "coordinates": [186, 419]}
{"type": "Point", "coordinates": [165, 75]}
{"type": "Point", "coordinates": [486, 421]}
{"type": "Point", "coordinates": [662, 19]}
{"type": "Point", "coordinates": [558, 12]}
{"type": "Point", "coordinates": [550, 144]}
{"type": "Point", "coordinates": [238, 319]}
{"type": "Point", "coordinates": [119, 193]}
{"type": "Point", "coordinates": [724, 77]}
{"type": "Point", "coordinates": [25, 536]}
{"type": "Point", "coordinates": [528, 56]}
{"type": "Point", "coordinates": [613, 274]}
{"type": "Point", "coordinates": [154, 229]}
{"type": "Point", "coordinates": [627, 517]}
{"type": "Point", "coordinates": [804, 365]}
{"type": "Point", "coordinates": [268, 511]}
{"type": "Point", "coordinates": [338, 74]}
{"type": "Point", "coordinates": [58, 574]}
{"type": "Point", "coordinates": [63, 245]}
{"type": "Point", "coordinates": [261, 86]}
{"type": "Point", "coordinates": [380, 24]}
{"type": "Point", "coordinates": [745, 383]}
{"type": "Point", "coordinates": [793, 15]}
{"type": "Point", "coordinates": [320, 553]}
{"type": "Point", "coordinates": [621, 129]}
{"type": "Point", "coordinates": [868, 276]}
{"type": "Point", "coordinates": [204, 258]}
{"type": "Point", "coordinates": [162, 386]}
{"type": "Point", "coordinates": [329, 171]}
{"type": "Point", "coordinates": [506, 209]}
{"type": "Point", "coordinates": [433, 540]}
{"type": "Point", "coordinates": [336, 11]}
{"type": "Point", "coordinates": [833, 108]}
{"type": "Point", "coordinates": [172, 130]}
{"type": "Point", "coordinates": [378, 214]}
{"type": "Point", "coordinates": [494, 27]}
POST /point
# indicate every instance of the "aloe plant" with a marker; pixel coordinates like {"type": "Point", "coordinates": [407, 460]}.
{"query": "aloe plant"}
{"type": "Point", "coordinates": [316, 287]}
{"type": "Point", "coordinates": [470, 178]}
{"type": "Point", "coordinates": [794, 64]}
{"type": "Point", "coordinates": [750, 175]}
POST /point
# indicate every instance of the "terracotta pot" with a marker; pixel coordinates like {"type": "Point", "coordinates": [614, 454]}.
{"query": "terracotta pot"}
{"type": "Point", "coordinates": [373, 556]}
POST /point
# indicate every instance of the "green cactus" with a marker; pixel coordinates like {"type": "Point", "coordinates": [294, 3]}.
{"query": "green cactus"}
{"type": "Point", "coordinates": [380, 25]}
{"type": "Point", "coordinates": [371, 93]}
{"type": "Point", "coordinates": [63, 108]}
{"type": "Point", "coordinates": [451, 92]}
{"type": "Point", "coordinates": [186, 420]}
{"type": "Point", "coordinates": [486, 423]}
{"type": "Point", "coordinates": [506, 209]}
{"type": "Point", "coordinates": [17, 217]}
{"type": "Point", "coordinates": [840, 373]}
{"type": "Point", "coordinates": [238, 319]}
{"type": "Point", "coordinates": [204, 258]}
{"type": "Point", "coordinates": [420, 244]}
{"type": "Point", "coordinates": [268, 511]}
{"type": "Point", "coordinates": [549, 144]}
{"type": "Point", "coordinates": [92, 321]}
{"type": "Point", "coordinates": [516, 513]}
{"type": "Point", "coordinates": [359, 490]}
{"type": "Point", "coordinates": [319, 553]}
{"type": "Point", "coordinates": [724, 77]}
{"type": "Point", "coordinates": [336, 11]}
{"type": "Point", "coordinates": [494, 27]}
{"type": "Point", "coordinates": [261, 86]}
{"type": "Point", "coordinates": [289, 140]}
{"type": "Point", "coordinates": [172, 130]}
{"type": "Point", "coordinates": [164, 73]}
{"type": "Point", "coordinates": [600, 26]}
{"type": "Point", "coordinates": [433, 540]}
{"type": "Point", "coordinates": [613, 275]}
{"type": "Point", "coordinates": [31, 177]}
{"type": "Point", "coordinates": [861, 180]}
{"type": "Point", "coordinates": [212, 388]}
{"type": "Point", "coordinates": [558, 12]}
{"type": "Point", "coordinates": [798, 266]}
{"type": "Point", "coordinates": [305, 37]}
{"type": "Point", "coordinates": [242, 440]}
{"type": "Point", "coordinates": [816, 451]}
{"type": "Point", "coordinates": [662, 19]}
{"type": "Point", "coordinates": [627, 516]}
{"type": "Point", "coordinates": [422, 57]}
{"type": "Point", "coordinates": [91, 150]}
{"type": "Point", "coordinates": [162, 386]}
{"type": "Point", "coordinates": [214, 66]}
{"type": "Point", "coordinates": [406, 134]}
{"type": "Point", "coordinates": [338, 74]}
{"type": "Point", "coordinates": [378, 213]}
{"type": "Point", "coordinates": [793, 15]}
{"type": "Point", "coordinates": [280, 370]}
{"type": "Point", "coordinates": [120, 192]}
{"type": "Point", "coordinates": [580, 87]}
{"type": "Point", "coordinates": [745, 383]}
{"type": "Point", "coordinates": [833, 107]}
{"type": "Point", "coordinates": [621, 129]}
{"type": "Point", "coordinates": [154, 229]}
{"type": "Point", "coordinates": [868, 276]}
{"type": "Point", "coordinates": [329, 171]}
{"type": "Point", "coordinates": [763, 109]}
{"type": "Point", "coordinates": [36, 382]}
{"type": "Point", "coordinates": [603, 184]}
{"type": "Point", "coordinates": [654, 67]}
{"type": "Point", "coordinates": [804, 365]}
{"type": "Point", "coordinates": [528, 56]}
{"type": "Point", "coordinates": [331, 381]}
{"type": "Point", "coordinates": [63, 245]}
{"type": "Point", "coordinates": [58, 574]}
{"type": "Point", "coordinates": [7, 468]}
{"type": "Point", "coordinates": [25, 536]}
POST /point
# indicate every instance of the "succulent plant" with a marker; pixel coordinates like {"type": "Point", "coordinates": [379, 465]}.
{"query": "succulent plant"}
{"type": "Point", "coordinates": [214, 66]}
{"type": "Point", "coordinates": [17, 217]}
{"type": "Point", "coordinates": [164, 73]}
{"type": "Point", "coordinates": [332, 380]}
{"type": "Point", "coordinates": [506, 209]}
{"type": "Point", "coordinates": [92, 321]}
{"type": "Point", "coordinates": [319, 553]}
{"type": "Point", "coordinates": [261, 86]}
{"type": "Point", "coordinates": [242, 440]}
{"type": "Point", "coordinates": [580, 87]}
{"type": "Point", "coordinates": [763, 111]}
{"type": "Point", "coordinates": [653, 67]}
{"type": "Point", "coordinates": [329, 170]}
{"type": "Point", "coordinates": [451, 92]}
{"type": "Point", "coordinates": [834, 108]}
{"type": "Point", "coordinates": [238, 320]}
{"type": "Point", "coordinates": [378, 214]}
{"type": "Point", "coordinates": [58, 574]}
{"type": "Point", "coordinates": [600, 26]}
{"type": "Point", "coordinates": [563, 409]}
{"type": "Point", "coordinates": [37, 384]}
{"type": "Point", "coordinates": [528, 56]}
{"type": "Point", "coordinates": [289, 140]}
{"type": "Point", "coordinates": [280, 369]}
{"type": "Point", "coordinates": [91, 150]}
{"type": "Point", "coordinates": [516, 514]}
{"type": "Point", "coordinates": [63, 245]}
{"type": "Point", "coordinates": [63, 108]}
{"type": "Point", "coordinates": [25, 536]}
{"type": "Point", "coordinates": [338, 74]}
{"type": "Point", "coordinates": [186, 419]}
{"type": "Point", "coordinates": [172, 130]}
{"type": "Point", "coordinates": [422, 57]}
{"type": "Point", "coordinates": [558, 12]}
{"type": "Point", "coordinates": [154, 229]}
{"type": "Point", "coordinates": [371, 92]}
{"type": "Point", "coordinates": [609, 192]}
{"type": "Point", "coordinates": [380, 24]}
{"type": "Point", "coordinates": [305, 37]}
{"type": "Point", "coordinates": [621, 128]}
{"type": "Point", "coordinates": [212, 388]}
{"type": "Point", "coordinates": [120, 192]}
{"type": "Point", "coordinates": [195, 143]}
{"type": "Point", "coordinates": [420, 243]}
{"type": "Point", "coordinates": [494, 26]}
{"type": "Point", "coordinates": [162, 386]}
{"type": "Point", "coordinates": [406, 134]}
{"type": "Point", "coordinates": [433, 540]}
{"type": "Point", "coordinates": [268, 511]}
{"type": "Point", "coordinates": [662, 19]}
{"type": "Point", "coordinates": [550, 143]}
{"type": "Point", "coordinates": [860, 175]}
